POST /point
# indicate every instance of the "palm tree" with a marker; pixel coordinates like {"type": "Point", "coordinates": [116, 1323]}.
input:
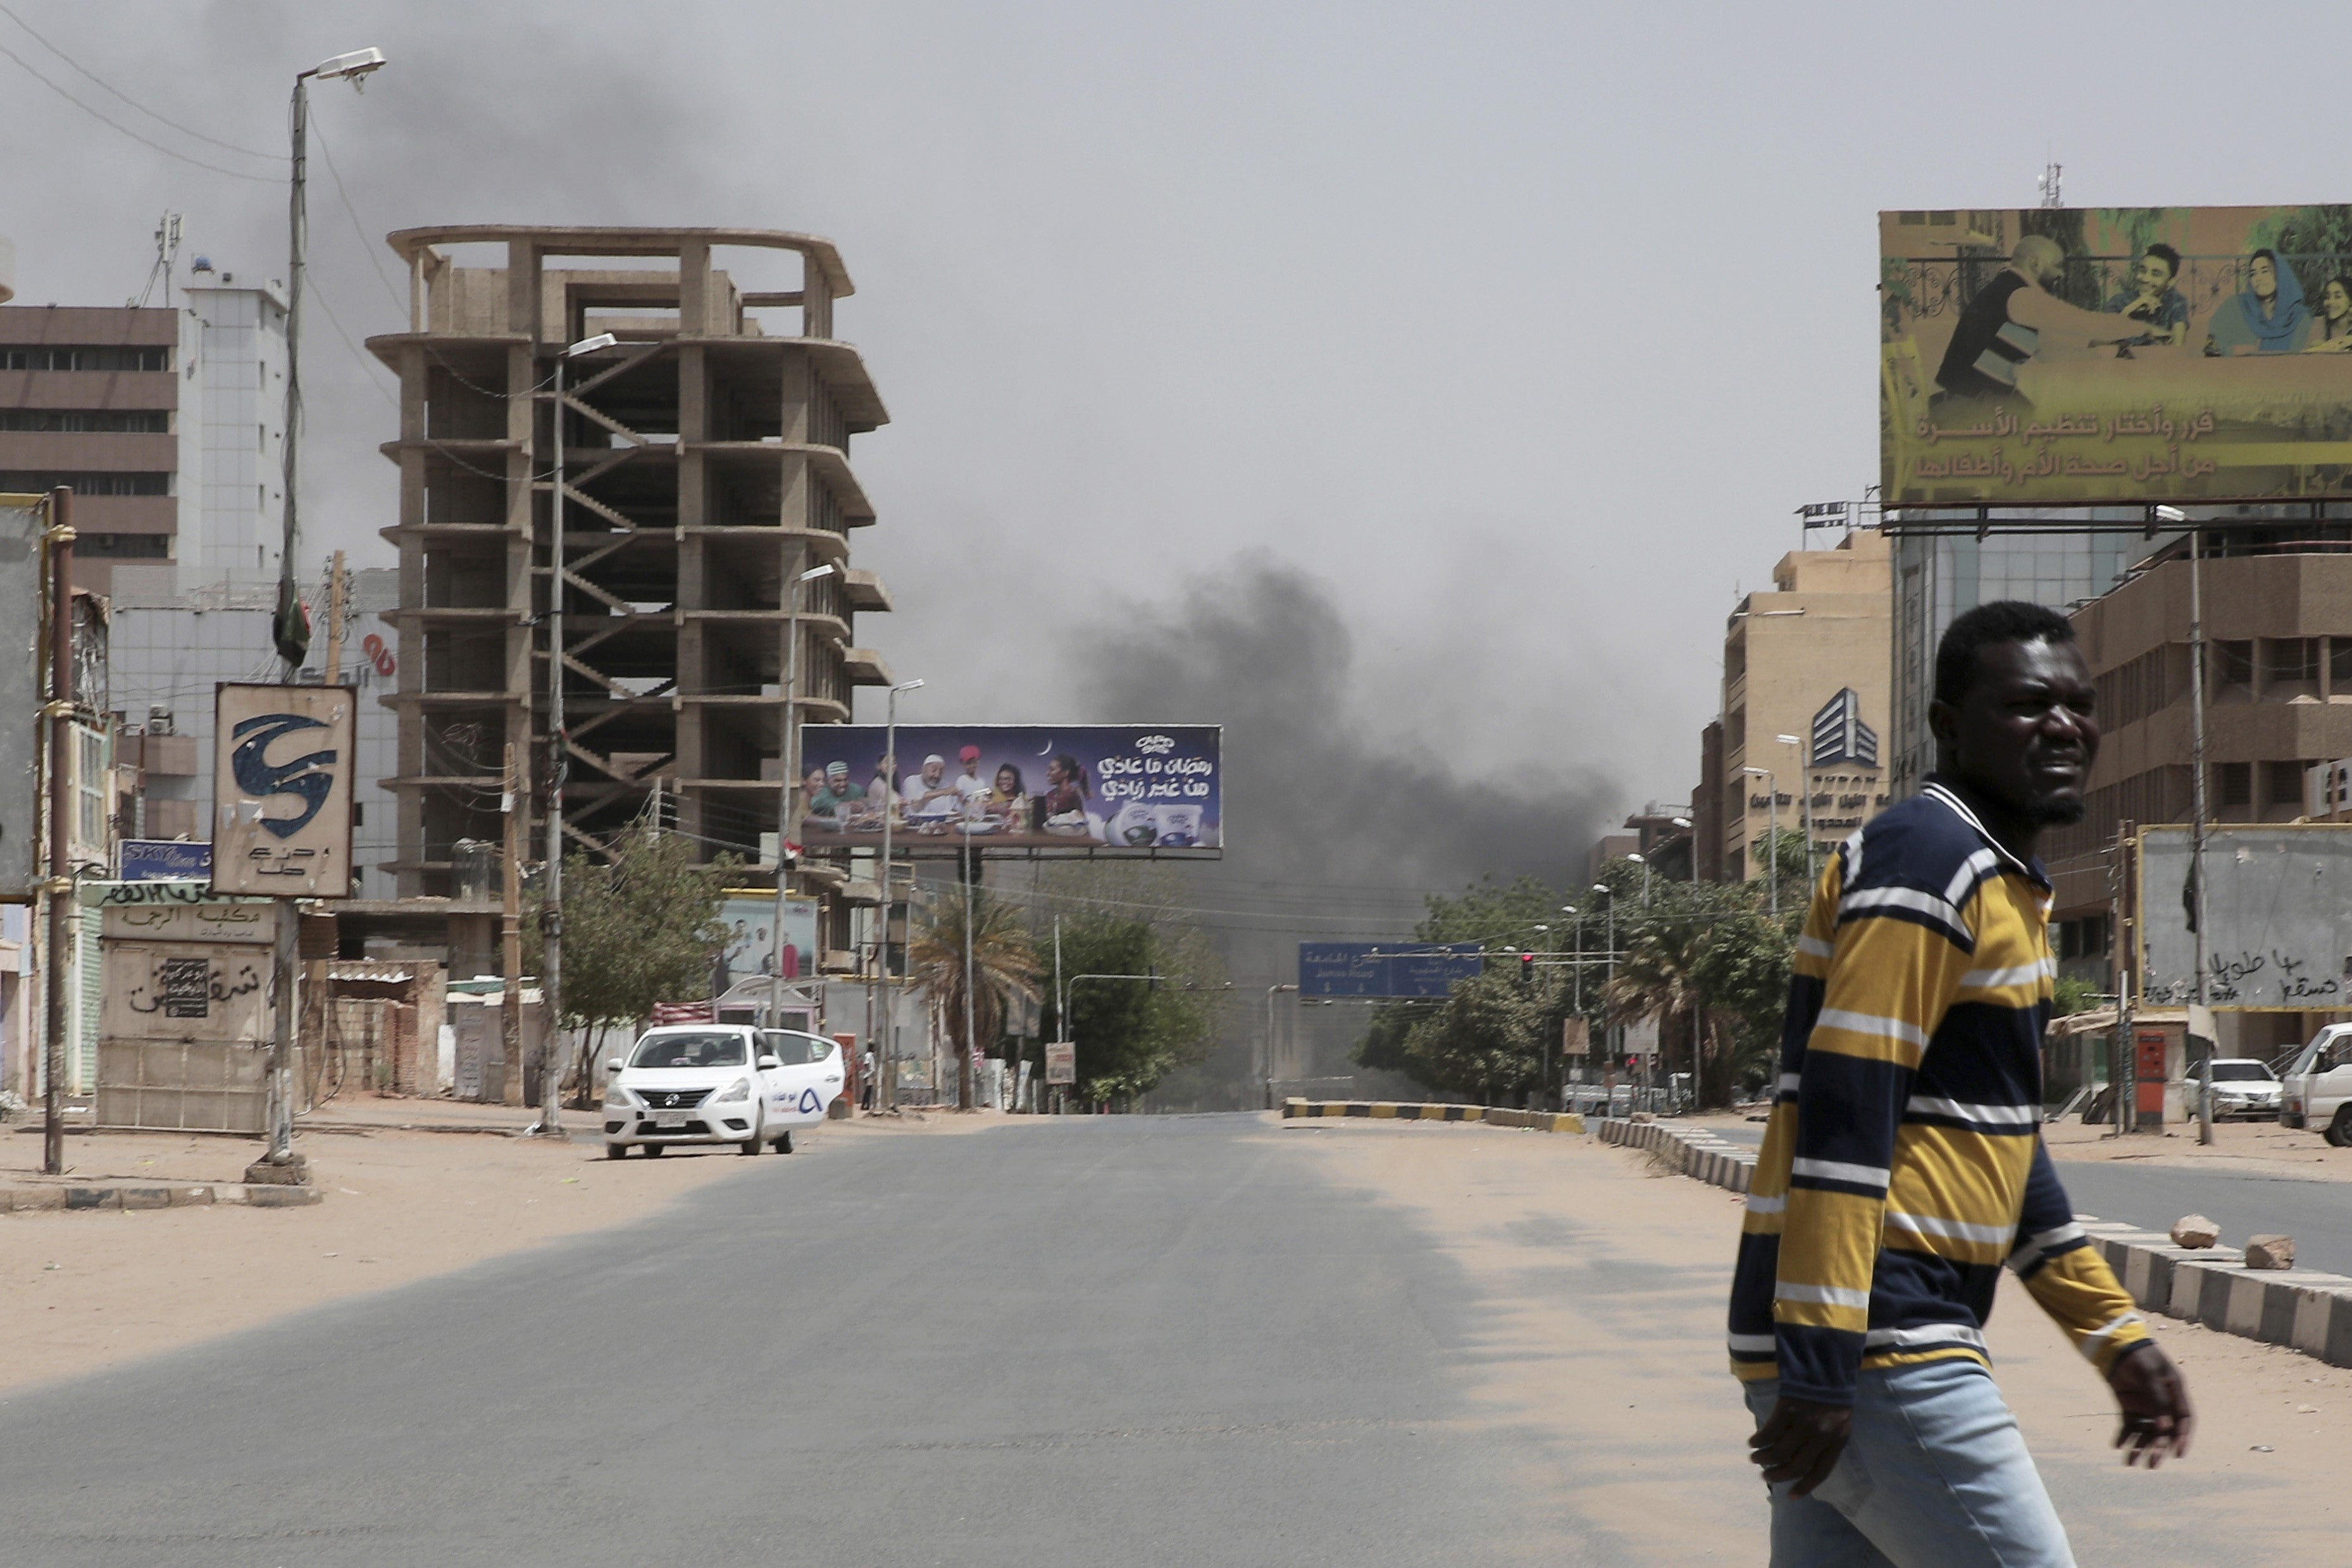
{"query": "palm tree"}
{"type": "Point", "coordinates": [1657, 975]}
{"type": "Point", "coordinates": [1002, 966]}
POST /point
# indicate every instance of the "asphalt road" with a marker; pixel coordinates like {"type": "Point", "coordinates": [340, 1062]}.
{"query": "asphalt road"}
{"type": "Point", "coordinates": [1128, 1340]}
{"type": "Point", "coordinates": [2318, 1215]}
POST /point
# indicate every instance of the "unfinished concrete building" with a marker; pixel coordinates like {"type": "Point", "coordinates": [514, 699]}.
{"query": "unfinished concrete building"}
{"type": "Point", "coordinates": [706, 466]}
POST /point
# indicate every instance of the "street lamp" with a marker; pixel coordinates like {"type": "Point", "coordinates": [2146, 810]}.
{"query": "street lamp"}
{"type": "Point", "coordinates": [1645, 863]}
{"type": "Point", "coordinates": [787, 761]}
{"type": "Point", "coordinates": [354, 67]}
{"type": "Point", "coordinates": [1804, 797]}
{"type": "Point", "coordinates": [888, 1099]}
{"type": "Point", "coordinates": [559, 764]}
{"type": "Point", "coordinates": [1772, 835]}
{"type": "Point", "coordinates": [1608, 1056]}
{"type": "Point", "coordinates": [1684, 823]}
{"type": "Point", "coordinates": [288, 630]}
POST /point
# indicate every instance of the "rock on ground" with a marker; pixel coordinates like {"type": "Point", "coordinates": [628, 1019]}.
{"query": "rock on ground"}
{"type": "Point", "coordinates": [2270, 1252]}
{"type": "Point", "coordinates": [2195, 1230]}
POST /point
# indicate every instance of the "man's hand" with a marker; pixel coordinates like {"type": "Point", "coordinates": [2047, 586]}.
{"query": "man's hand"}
{"type": "Point", "coordinates": [2157, 1419]}
{"type": "Point", "coordinates": [1800, 1441]}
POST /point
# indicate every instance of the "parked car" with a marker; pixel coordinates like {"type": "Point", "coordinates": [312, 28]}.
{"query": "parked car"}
{"type": "Point", "coordinates": [2239, 1086]}
{"type": "Point", "coordinates": [718, 1083]}
{"type": "Point", "coordinates": [2317, 1090]}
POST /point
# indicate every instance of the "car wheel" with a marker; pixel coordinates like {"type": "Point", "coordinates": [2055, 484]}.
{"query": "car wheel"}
{"type": "Point", "coordinates": [784, 1144]}
{"type": "Point", "coordinates": [615, 1151]}
{"type": "Point", "coordinates": [653, 1151]}
{"type": "Point", "coordinates": [751, 1145]}
{"type": "Point", "coordinates": [2340, 1131]}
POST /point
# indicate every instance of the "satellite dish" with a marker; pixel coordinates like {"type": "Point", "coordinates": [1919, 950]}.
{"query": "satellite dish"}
{"type": "Point", "coordinates": [203, 264]}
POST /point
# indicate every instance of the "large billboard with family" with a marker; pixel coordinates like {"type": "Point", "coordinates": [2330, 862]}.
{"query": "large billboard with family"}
{"type": "Point", "coordinates": [1088, 786]}
{"type": "Point", "coordinates": [2072, 355]}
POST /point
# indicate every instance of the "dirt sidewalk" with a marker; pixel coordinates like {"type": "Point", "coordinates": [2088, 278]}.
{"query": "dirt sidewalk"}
{"type": "Point", "coordinates": [1598, 1341]}
{"type": "Point", "coordinates": [79, 1291]}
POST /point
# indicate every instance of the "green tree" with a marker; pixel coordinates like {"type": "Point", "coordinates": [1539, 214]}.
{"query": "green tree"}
{"type": "Point", "coordinates": [1128, 918]}
{"type": "Point", "coordinates": [2070, 995]}
{"type": "Point", "coordinates": [1003, 965]}
{"type": "Point", "coordinates": [640, 926]}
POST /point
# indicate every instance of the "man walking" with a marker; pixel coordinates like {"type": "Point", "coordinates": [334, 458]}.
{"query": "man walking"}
{"type": "Point", "coordinates": [1903, 1164]}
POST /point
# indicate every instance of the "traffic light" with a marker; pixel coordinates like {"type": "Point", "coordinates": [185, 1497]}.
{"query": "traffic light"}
{"type": "Point", "coordinates": [1526, 968]}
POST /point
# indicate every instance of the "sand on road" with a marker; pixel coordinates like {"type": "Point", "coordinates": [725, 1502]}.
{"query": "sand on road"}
{"type": "Point", "coordinates": [1598, 1340]}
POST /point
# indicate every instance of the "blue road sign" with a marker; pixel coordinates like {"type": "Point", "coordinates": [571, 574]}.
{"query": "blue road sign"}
{"type": "Point", "coordinates": [165, 859]}
{"type": "Point", "coordinates": [1384, 968]}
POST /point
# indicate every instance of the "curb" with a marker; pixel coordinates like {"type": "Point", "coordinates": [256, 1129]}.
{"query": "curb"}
{"type": "Point", "coordinates": [1694, 1153]}
{"type": "Point", "coordinates": [37, 1199]}
{"type": "Point", "coordinates": [2301, 1309]}
{"type": "Point", "coordinates": [1405, 1111]}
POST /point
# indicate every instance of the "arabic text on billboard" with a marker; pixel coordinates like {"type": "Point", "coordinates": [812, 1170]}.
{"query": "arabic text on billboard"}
{"type": "Point", "coordinates": [1384, 969]}
{"type": "Point", "coordinates": [1088, 786]}
{"type": "Point", "coordinates": [2078, 355]}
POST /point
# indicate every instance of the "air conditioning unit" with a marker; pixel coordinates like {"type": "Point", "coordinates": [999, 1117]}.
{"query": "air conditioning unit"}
{"type": "Point", "coordinates": [159, 721]}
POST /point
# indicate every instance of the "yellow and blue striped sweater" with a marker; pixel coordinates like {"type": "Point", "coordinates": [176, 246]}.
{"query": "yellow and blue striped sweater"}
{"type": "Point", "coordinates": [1903, 1165]}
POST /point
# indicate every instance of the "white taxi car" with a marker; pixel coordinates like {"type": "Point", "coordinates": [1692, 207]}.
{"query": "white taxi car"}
{"type": "Point", "coordinates": [718, 1083]}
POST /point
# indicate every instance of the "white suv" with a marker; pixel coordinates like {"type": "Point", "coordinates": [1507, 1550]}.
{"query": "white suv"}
{"type": "Point", "coordinates": [2318, 1086]}
{"type": "Point", "coordinates": [718, 1083]}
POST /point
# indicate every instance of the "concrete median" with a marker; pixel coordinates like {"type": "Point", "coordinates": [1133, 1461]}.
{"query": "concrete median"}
{"type": "Point", "coordinates": [2302, 1309]}
{"type": "Point", "coordinates": [1408, 1110]}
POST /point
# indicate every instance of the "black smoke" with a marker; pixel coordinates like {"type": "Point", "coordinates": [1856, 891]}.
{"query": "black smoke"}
{"type": "Point", "coordinates": [1326, 791]}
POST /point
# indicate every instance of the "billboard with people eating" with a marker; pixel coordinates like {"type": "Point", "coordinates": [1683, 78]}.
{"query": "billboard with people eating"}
{"type": "Point", "coordinates": [2085, 355]}
{"type": "Point", "coordinates": [1084, 787]}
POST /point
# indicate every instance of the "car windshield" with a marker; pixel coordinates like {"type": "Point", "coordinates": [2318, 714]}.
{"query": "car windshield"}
{"type": "Point", "coordinates": [2241, 1072]}
{"type": "Point", "coordinates": [713, 1050]}
{"type": "Point", "coordinates": [794, 1050]}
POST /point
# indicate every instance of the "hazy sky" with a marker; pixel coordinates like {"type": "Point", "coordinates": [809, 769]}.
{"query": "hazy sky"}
{"type": "Point", "coordinates": [1519, 330]}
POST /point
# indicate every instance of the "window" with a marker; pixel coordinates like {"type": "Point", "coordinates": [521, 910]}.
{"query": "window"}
{"type": "Point", "coordinates": [123, 546]}
{"type": "Point", "coordinates": [2233, 663]}
{"type": "Point", "coordinates": [2339, 664]}
{"type": "Point", "coordinates": [89, 786]}
{"type": "Point", "coordinates": [2287, 784]}
{"type": "Point", "coordinates": [54, 357]}
{"type": "Point", "coordinates": [92, 421]}
{"type": "Point", "coordinates": [2291, 661]}
{"type": "Point", "coordinates": [689, 1051]}
{"type": "Point", "coordinates": [34, 482]}
{"type": "Point", "coordinates": [2233, 783]}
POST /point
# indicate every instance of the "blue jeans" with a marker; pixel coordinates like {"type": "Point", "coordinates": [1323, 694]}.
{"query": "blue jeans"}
{"type": "Point", "coordinates": [1935, 1476]}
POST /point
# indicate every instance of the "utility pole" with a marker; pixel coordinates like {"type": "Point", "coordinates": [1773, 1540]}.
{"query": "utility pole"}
{"type": "Point", "coordinates": [965, 1088]}
{"type": "Point", "coordinates": [889, 811]}
{"type": "Point", "coordinates": [511, 918]}
{"type": "Point", "coordinates": [2198, 804]}
{"type": "Point", "coordinates": [1061, 1009]}
{"type": "Point", "coordinates": [337, 605]}
{"type": "Point", "coordinates": [788, 763]}
{"type": "Point", "coordinates": [60, 537]}
{"type": "Point", "coordinates": [1271, 993]}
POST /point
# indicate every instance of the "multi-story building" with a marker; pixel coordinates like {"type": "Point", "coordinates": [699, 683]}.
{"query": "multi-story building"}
{"type": "Point", "coordinates": [2278, 629]}
{"type": "Point", "coordinates": [704, 462]}
{"type": "Point", "coordinates": [1937, 575]}
{"type": "Point", "coordinates": [166, 422]}
{"type": "Point", "coordinates": [1805, 671]}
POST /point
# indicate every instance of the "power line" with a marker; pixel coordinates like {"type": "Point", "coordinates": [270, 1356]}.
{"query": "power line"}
{"type": "Point", "coordinates": [103, 86]}
{"type": "Point", "coordinates": [118, 125]}
{"type": "Point", "coordinates": [359, 228]}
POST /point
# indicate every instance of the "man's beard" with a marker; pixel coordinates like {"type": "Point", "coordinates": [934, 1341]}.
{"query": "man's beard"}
{"type": "Point", "coordinates": [2058, 811]}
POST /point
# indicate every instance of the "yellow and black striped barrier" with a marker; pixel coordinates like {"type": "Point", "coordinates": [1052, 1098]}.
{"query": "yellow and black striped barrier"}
{"type": "Point", "coordinates": [1407, 1111]}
